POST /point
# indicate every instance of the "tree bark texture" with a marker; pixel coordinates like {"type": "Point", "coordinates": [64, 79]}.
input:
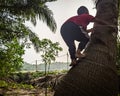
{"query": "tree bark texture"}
{"type": "Point", "coordinates": [96, 74]}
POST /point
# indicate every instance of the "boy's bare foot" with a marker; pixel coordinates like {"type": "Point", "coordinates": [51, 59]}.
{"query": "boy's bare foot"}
{"type": "Point", "coordinates": [80, 55]}
{"type": "Point", "coordinates": [74, 62]}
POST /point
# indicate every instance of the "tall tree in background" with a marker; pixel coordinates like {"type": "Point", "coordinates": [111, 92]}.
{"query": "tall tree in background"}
{"type": "Point", "coordinates": [13, 32]}
{"type": "Point", "coordinates": [96, 74]}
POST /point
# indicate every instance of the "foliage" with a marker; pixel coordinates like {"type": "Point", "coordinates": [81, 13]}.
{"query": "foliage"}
{"type": "Point", "coordinates": [38, 74]}
{"type": "Point", "coordinates": [42, 73]}
{"type": "Point", "coordinates": [14, 34]}
{"type": "Point", "coordinates": [10, 57]}
{"type": "Point", "coordinates": [4, 84]}
{"type": "Point", "coordinates": [12, 20]}
{"type": "Point", "coordinates": [49, 51]}
{"type": "Point", "coordinates": [29, 10]}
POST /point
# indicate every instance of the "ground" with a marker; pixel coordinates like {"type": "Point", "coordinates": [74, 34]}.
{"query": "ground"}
{"type": "Point", "coordinates": [25, 92]}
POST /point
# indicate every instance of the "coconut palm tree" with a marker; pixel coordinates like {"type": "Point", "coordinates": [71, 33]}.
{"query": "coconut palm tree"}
{"type": "Point", "coordinates": [29, 10]}
{"type": "Point", "coordinates": [96, 74]}
{"type": "Point", "coordinates": [13, 13]}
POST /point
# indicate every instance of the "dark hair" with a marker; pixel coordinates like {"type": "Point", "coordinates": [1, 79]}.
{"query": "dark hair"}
{"type": "Point", "coordinates": [82, 10]}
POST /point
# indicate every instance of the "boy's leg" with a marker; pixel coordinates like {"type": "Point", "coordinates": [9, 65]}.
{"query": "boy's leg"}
{"type": "Point", "coordinates": [81, 46]}
{"type": "Point", "coordinates": [71, 46]}
{"type": "Point", "coordinates": [79, 54]}
{"type": "Point", "coordinates": [70, 32]}
{"type": "Point", "coordinates": [72, 51]}
{"type": "Point", "coordinates": [83, 43]}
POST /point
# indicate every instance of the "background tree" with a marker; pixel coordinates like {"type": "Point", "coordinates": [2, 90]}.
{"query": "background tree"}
{"type": "Point", "coordinates": [10, 57]}
{"type": "Point", "coordinates": [14, 34]}
{"type": "Point", "coordinates": [49, 51]}
{"type": "Point", "coordinates": [96, 74]}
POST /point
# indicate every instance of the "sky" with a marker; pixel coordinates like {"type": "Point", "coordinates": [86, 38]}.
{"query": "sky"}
{"type": "Point", "coordinates": [62, 10]}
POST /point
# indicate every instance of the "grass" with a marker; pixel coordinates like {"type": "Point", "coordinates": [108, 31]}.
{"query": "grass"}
{"type": "Point", "coordinates": [4, 84]}
{"type": "Point", "coordinates": [42, 73]}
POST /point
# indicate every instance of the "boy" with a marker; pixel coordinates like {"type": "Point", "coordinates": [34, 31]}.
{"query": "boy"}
{"type": "Point", "coordinates": [75, 29]}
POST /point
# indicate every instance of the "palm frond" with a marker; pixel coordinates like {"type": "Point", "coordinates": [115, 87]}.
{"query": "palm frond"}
{"type": "Point", "coordinates": [30, 10]}
{"type": "Point", "coordinates": [47, 16]}
{"type": "Point", "coordinates": [35, 40]}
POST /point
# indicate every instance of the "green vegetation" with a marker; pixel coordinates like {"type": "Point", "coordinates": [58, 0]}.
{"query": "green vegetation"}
{"type": "Point", "coordinates": [21, 78]}
{"type": "Point", "coordinates": [6, 85]}
{"type": "Point", "coordinates": [10, 58]}
{"type": "Point", "coordinates": [49, 51]}
{"type": "Point", "coordinates": [40, 74]}
{"type": "Point", "coordinates": [14, 35]}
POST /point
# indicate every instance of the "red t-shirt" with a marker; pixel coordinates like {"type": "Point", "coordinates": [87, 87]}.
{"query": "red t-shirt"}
{"type": "Point", "coordinates": [82, 20]}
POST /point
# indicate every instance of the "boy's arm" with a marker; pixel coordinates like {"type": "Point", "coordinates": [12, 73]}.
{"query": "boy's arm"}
{"type": "Point", "coordinates": [105, 23]}
{"type": "Point", "coordinates": [97, 20]}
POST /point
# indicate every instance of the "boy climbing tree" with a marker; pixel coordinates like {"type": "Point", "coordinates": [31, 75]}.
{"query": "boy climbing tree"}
{"type": "Point", "coordinates": [75, 28]}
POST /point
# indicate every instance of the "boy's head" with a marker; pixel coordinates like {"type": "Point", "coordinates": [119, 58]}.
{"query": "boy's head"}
{"type": "Point", "coordinates": [82, 10]}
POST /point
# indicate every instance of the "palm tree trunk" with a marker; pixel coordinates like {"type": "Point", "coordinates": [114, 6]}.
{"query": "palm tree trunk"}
{"type": "Point", "coordinates": [96, 74]}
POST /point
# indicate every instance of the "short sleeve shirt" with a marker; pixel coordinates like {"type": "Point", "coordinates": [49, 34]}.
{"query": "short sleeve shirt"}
{"type": "Point", "coordinates": [82, 20]}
